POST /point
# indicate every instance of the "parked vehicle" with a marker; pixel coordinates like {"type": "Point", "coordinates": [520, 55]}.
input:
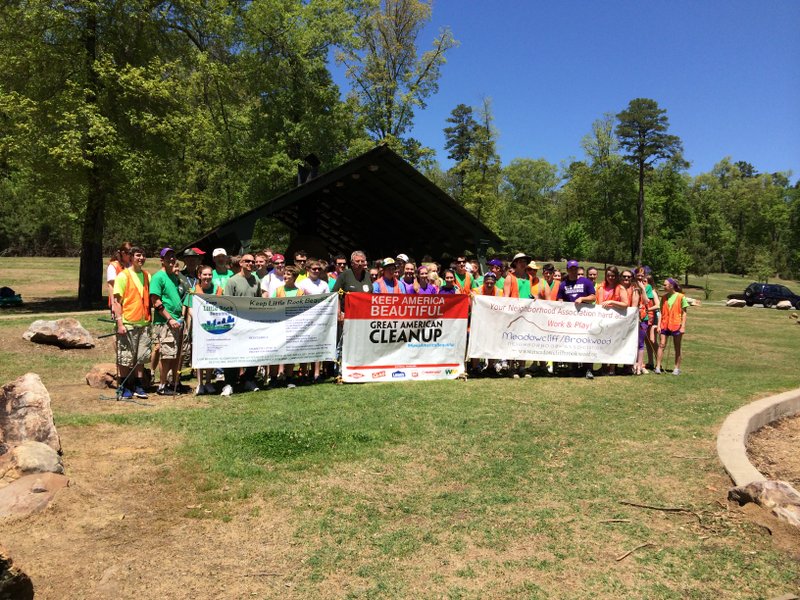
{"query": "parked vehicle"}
{"type": "Point", "coordinates": [769, 294]}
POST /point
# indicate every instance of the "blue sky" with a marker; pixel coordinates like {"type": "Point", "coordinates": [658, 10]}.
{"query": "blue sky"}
{"type": "Point", "coordinates": [727, 72]}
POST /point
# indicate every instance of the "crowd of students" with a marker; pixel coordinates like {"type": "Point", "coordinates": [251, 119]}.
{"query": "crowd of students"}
{"type": "Point", "coordinates": [153, 312]}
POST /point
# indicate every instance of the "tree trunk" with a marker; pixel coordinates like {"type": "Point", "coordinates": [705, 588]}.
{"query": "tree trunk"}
{"type": "Point", "coordinates": [90, 282]}
{"type": "Point", "coordinates": [640, 212]}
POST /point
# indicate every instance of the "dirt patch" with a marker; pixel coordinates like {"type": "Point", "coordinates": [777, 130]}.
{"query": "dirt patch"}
{"type": "Point", "coordinates": [131, 525]}
{"type": "Point", "coordinates": [773, 450]}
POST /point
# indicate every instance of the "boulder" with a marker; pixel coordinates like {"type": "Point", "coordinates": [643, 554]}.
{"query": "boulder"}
{"type": "Point", "coordinates": [102, 376]}
{"type": "Point", "coordinates": [784, 305]}
{"type": "Point", "coordinates": [14, 583]}
{"type": "Point", "coordinates": [780, 498]}
{"type": "Point", "coordinates": [736, 303]}
{"type": "Point", "coordinates": [25, 413]}
{"type": "Point", "coordinates": [64, 333]}
{"type": "Point", "coordinates": [30, 494]}
{"type": "Point", "coordinates": [29, 457]}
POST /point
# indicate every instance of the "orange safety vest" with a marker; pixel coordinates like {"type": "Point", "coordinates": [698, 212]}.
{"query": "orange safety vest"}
{"type": "Point", "coordinates": [467, 287]}
{"type": "Point", "coordinates": [551, 289]}
{"type": "Point", "coordinates": [535, 283]}
{"type": "Point", "coordinates": [671, 317]}
{"type": "Point", "coordinates": [281, 292]}
{"type": "Point", "coordinates": [119, 269]}
{"type": "Point", "coordinates": [481, 291]}
{"type": "Point", "coordinates": [198, 290]}
{"type": "Point", "coordinates": [604, 294]}
{"type": "Point", "coordinates": [385, 290]}
{"type": "Point", "coordinates": [511, 287]}
{"type": "Point", "coordinates": [136, 307]}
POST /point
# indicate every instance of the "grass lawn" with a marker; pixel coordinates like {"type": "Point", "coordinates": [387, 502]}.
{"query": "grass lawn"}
{"type": "Point", "coordinates": [488, 488]}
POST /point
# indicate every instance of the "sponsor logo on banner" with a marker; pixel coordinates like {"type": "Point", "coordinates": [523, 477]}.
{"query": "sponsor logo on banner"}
{"type": "Point", "coordinates": [398, 375]}
{"type": "Point", "coordinates": [218, 316]}
{"type": "Point", "coordinates": [356, 375]}
{"type": "Point", "coordinates": [378, 374]}
{"type": "Point", "coordinates": [450, 371]}
{"type": "Point", "coordinates": [436, 372]}
{"type": "Point", "coordinates": [415, 373]}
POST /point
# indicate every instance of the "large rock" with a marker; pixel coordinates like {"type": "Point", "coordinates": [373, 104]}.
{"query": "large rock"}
{"type": "Point", "coordinates": [102, 376]}
{"type": "Point", "coordinates": [784, 305]}
{"type": "Point", "coordinates": [29, 457]}
{"type": "Point", "coordinates": [14, 583]}
{"type": "Point", "coordinates": [736, 303]}
{"type": "Point", "coordinates": [30, 494]}
{"type": "Point", "coordinates": [780, 498]}
{"type": "Point", "coordinates": [25, 413]}
{"type": "Point", "coordinates": [64, 333]}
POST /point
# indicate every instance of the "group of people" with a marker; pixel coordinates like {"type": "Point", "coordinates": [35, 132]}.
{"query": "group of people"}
{"type": "Point", "coordinates": [153, 312]}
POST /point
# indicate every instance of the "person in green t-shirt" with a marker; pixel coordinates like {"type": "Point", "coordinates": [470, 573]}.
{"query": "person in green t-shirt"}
{"type": "Point", "coordinates": [221, 272]}
{"type": "Point", "coordinates": [166, 298]}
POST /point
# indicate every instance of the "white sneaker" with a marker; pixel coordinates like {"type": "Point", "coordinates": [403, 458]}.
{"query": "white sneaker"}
{"type": "Point", "coordinates": [226, 391]}
{"type": "Point", "coordinates": [676, 371]}
{"type": "Point", "coordinates": [657, 371]}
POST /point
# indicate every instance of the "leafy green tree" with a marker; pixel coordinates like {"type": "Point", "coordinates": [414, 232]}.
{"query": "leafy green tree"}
{"type": "Point", "coordinates": [642, 132]}
{"type": "Point", "coordinates": [482, 171]}
{"type": "Point", "coordinates": [390, 79]}
{"type": "Point", "coordinates": [527, 209]}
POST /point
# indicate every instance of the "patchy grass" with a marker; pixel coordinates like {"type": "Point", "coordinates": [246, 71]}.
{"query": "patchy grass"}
{"type": "Point", "coordinates": [485, 488]}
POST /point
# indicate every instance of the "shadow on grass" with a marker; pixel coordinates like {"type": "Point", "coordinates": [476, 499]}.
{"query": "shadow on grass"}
{"type": "Point", "coordinates": [48, 305]}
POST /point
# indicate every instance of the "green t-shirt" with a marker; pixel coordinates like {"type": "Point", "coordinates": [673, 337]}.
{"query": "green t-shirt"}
{"type": "Point", "coordinates": [288, 293]}
{"type": "Point", "coordinates": [461, 280]}
{"type": "Point", "coordinates": [671, 301]}
{"type": "Point", "coordinates": [220, 279]}
{"type": "Point", "coordinates": [167, 287]}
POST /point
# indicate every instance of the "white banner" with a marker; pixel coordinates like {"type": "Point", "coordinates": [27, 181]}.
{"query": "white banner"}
{"type": "Point", "coordinates": [515, 329]}
{"type": "Point", "coordinates": [229, 331]}
{"type": "Point", "coordinates": [403, 337]}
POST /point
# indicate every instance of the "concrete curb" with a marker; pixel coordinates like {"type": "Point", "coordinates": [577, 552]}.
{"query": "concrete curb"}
{"type": "Point", "coordinates": [732, 436]}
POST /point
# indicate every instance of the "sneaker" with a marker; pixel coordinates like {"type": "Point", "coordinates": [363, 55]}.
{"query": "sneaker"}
{"type": "Point", "coordinates": [183, 389]}
{"type": "Point", "coordinates": [164, 390]}
{"type": "Point", "coordinates": [657, 370]}
{"type": "Point", "coordinates": [589, 374]}
{"type": "Point", "coordinates": [209, 388]}
{"type": "Point", "coordinates": [226, 391]}
{"type": "Point", "coordinates": [290, 385]}
{"type": "Point", "coordinates": [126, 394]}
{"type": "Point", "coordinates": [676, 371]}
{"type": "Point", "coordinates": [250, 386]}
{"type": "Point", "coordinates": [139, 392]}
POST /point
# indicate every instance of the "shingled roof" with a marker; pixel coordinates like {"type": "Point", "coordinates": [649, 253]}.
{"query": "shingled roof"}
{"type": "Point", "coordinates": [376, 202]}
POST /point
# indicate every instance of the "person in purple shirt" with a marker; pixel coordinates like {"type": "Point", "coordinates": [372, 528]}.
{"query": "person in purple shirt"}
{"type": "Point", "coordinates": [424, 284]}
{"type": "Point", "coordinates": [579, 290]}
{"type": "Point", "coordinates": [574, 288]}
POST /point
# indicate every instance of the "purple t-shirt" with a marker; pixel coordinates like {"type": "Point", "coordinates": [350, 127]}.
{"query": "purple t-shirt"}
{"type": "Point", "coordinates": [569, 291]}
{"type": "Point", "coordinates": [431, 289]}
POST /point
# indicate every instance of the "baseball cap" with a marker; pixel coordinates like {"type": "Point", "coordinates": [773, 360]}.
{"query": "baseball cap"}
{"type": "Point", "coordinates": [495, 262]}
{"type": "Point", "coordinates": [533, 265]}
{"type": "Point", "coordinates": [219, 252]}
{"type": "Point", "coordinates": [388, 262]}
{"type": "Point", "coordinates": [572, 263]}
{"type": "Point", "coordinates": [278, 258]}
{"type": "Point", "coordinates": [490, 275]}
{"type": "Point", "coordinates": [165, 251]}
{"type": "Point", "coordinates": [193, 252]}
{"type": "Point", "coordinates": [403, 257]}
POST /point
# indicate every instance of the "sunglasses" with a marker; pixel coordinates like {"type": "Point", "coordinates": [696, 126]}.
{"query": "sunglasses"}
{"type": "Point", "coordinates": [246, 260]}
{"type": "Point", "coordinates": [315, 269]}
{"type": "Point", "coordinates": [341, 264]}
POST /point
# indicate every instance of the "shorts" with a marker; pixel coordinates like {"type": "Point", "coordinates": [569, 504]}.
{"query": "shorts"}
{"type": "Point", "coordinates": [667, 332]}
{"type": "Point", "coordinates": [644, 326]}
{"type": "Point", "coordinates": [134, 347]}
{"type": "Point", "coordinates": [168, 345]}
